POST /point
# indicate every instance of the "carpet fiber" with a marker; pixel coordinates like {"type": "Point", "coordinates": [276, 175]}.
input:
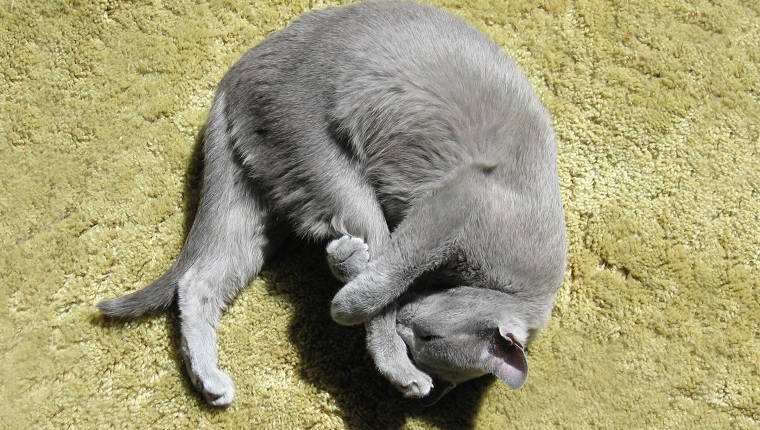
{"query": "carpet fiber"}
{"type": "Point", "coordinates": [655, 104]}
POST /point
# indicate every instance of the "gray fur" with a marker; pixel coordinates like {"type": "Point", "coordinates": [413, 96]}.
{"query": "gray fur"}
{"type": "Point", "coordinates": [414, 145]}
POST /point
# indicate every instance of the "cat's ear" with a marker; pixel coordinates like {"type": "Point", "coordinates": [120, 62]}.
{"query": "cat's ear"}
{"type": "Point", "coordinates": [504, 357]}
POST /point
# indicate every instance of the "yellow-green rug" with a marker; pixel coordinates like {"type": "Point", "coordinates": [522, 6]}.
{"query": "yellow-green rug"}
{"type": "Point", "coordinates": [656, 109]}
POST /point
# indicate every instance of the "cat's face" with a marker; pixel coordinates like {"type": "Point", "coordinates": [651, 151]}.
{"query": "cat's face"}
{"type": "Point", "coordinates": [455, 335]}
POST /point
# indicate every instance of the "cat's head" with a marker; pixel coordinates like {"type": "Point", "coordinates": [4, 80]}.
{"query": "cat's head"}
{"type": "Point", "coordinates": [462, 333]}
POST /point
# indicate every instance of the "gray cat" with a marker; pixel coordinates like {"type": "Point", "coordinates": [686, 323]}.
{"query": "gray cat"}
{"type": "Point", "coordinates": [415, 146]}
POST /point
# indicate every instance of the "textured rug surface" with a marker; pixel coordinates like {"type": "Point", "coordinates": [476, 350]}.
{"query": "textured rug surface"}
{"type": "Point", "coordinates": [656, 108]}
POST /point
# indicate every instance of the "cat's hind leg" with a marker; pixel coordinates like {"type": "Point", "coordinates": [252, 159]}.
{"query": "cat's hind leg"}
{"type": "Point", "coordinates": [231, 236]}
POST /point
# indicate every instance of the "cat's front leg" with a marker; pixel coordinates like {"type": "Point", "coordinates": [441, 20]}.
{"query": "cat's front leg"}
{"type": "Point", "coordinates": [389, 352]}
{"type": "Point", "coordinates": [348, 256]}
{"type": "Point", "coordinates": [423, 241]}
{"type": "Point", "coordinates": [383, 280]}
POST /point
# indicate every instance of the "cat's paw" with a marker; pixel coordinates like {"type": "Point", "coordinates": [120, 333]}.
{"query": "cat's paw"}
{"type": "Point", "coordinates": [217, 388]}
{"type": "Point", "coordinates": [351, 305]}
{"type": "Point", "coordinates": [411, 382]}
{"type": "Point", "coordinates": [362, 298]}
{"type": "Point", "coordinates": [347, 257]}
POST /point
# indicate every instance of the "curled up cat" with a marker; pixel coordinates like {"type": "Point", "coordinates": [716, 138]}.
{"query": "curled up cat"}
{"type": "Point", "coordinates": [413, 147]}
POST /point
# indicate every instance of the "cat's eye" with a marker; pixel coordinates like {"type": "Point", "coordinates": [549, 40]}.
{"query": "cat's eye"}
{"type": "Point", "coordinates": [428, 337]}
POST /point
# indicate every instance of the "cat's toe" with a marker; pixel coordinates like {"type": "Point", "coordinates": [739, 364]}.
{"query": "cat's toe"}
{"type": "Point", "coordinates": [347, 257]}
{"type": "Point", "coordinates": [344, 247]}
{"type": "Point", "coordinates": [410, 381]}
{"type": "Point", "coordinates": [217, 388]}
{"type": "Point", "coordinates": [418, 387]}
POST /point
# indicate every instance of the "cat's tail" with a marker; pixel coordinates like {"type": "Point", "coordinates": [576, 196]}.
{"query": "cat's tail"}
{"type": "Point", "coordinates": [226, 244]}
{"type": "Point", "coordinates": [160, 294]}
{"type": "Point", "coordinates": [155, 297]}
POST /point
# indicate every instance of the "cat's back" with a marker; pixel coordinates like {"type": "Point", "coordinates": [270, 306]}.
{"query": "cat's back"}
{"type": "Point", "coordinates": [388, 65]}
{"type": "Point", "coordinates": [423, 94]}
{"type": "Point", "coordinates": [411, 90]}
{"type": "Point", "coordinates": [395, 62]}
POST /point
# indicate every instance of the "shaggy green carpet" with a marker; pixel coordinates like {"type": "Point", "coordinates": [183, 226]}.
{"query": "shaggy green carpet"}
{"type": "Point", "coordinates": [655, 105]}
